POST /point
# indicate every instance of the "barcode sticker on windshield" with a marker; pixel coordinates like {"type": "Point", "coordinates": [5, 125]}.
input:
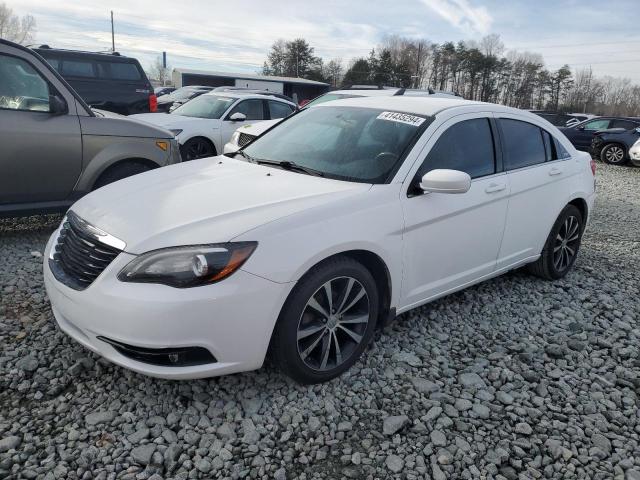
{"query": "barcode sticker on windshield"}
{"type": "Point", "coordinates": [402, 118]}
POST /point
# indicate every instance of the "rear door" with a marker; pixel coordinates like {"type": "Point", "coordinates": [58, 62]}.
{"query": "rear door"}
{"type": "Point", "coordinates": [540, 174]}
{"type": "Point", "coordinates": [41, 152]}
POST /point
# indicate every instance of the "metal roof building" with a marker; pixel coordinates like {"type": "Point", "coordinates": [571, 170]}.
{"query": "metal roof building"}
{"type": "Point", "coordinates": [294, 87]}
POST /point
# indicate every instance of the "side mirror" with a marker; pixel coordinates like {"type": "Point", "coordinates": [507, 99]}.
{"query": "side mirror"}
{"type": "Point", "coordinates": [57, 105]}
{"type": "Point", "coordinates": [637, 129]}
{"type": "Point", "coordinates": [238, 117]}
{"type": "Point", "coordinates": [445, 181]}
{"type": "Point", "coordinates": [581, 128]}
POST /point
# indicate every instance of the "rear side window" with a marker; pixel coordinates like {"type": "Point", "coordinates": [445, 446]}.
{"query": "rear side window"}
{"type": "Point", "coordinates": [549, 148]}
{"type": "Point", "coordinates": [626, 124]}
{"type": "Point", "coordinates": [125, 71]}
{"type": "Point", "coordinates": [466, 146]}
{"type": "Point", "coordinates": [599, 124]}
{"type": "Point", "coordinates": [279, 110]}
{"type": "Point", "coordinates": [561, 152]}
{"type": "Point", "coordinates": [523, 144]}
{"type": "Point", "coordinates": [78, 68]}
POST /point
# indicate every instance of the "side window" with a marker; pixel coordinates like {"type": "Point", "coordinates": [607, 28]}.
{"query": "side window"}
{"type": "Point", "coordinates": [465, 146]}
{"type": "Point", "coordinates": [626, 124]}
{"type": "Point", "coordinates": [599, 124]}
{"type": "Point", "coordinates": [22, 87]}
{"type": "Point", "coordinates": [251, 108]}
{"type": "Point", "coordinates": [279, 109]}
{"type": "Point", "coordinates": [561, 152]}
{"type": "Point", "coordinates": [78, 68]}
{"type": "Point", "coordinates": [549, 148]}
{"type": "Point", "coordinates": [125, 71]}
{"type": "Point", "coordinates": [523, 145]}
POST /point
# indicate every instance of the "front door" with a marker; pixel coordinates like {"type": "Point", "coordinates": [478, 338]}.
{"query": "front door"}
{"type": "Point", "coordinates": [451, 240]}
{"type": "Point", "coordinates": [41, 153]}
{"type": "Point", "coordinates": [252, 109]}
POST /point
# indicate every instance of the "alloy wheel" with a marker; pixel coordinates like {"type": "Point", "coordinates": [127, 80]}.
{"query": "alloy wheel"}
{"type": "Point", "coordinates": [333, 323]}
{"type": "Point", "coordinates": [198, 149]}
{"type": "Point", "coordinates": [566, 244]}
{"type": "Point", "coordinates": [614, 154]}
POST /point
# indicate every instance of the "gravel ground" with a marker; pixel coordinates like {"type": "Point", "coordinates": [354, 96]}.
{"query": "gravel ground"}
{"type": "Point", "coordinates": [514, 378]}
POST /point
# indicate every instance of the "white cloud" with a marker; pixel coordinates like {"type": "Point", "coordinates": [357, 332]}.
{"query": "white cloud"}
{"type": "Point", "coordinates": [463, 15]}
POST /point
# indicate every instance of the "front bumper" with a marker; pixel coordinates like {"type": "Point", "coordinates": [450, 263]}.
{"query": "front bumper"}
{"type": "Point", "coordinates": [232, 319]}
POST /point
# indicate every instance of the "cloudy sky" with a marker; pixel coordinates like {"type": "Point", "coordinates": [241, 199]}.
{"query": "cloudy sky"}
{"type": "Point", "coordinates": [236, 35]}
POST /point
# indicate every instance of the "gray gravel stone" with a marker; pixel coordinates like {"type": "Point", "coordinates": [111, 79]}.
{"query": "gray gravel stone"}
{"type": "Point", "coordinates": [143, 453]}
{"type": "Point", "coordinates": [394, 463]}
{"type": "Point", "coordinates": [9, 443]}
{"type": "Point", "coordinates": [96, 418]}
{"type": "Point", "coordinates": [392, 424]}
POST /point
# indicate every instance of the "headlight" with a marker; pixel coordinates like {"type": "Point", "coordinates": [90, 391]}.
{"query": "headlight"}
{"type": "Point", "coordinates": [192, 266]}
{"type": "Point", "coordinates": [175, 131]}
{"type": "Point", "coordinates": [234, 138]}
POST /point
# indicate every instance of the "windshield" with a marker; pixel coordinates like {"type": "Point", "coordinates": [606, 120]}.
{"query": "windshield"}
{"type": "Point", "coordinates": [327, 97]}
{"type": "Point", "coordinates": [347, 143]}
{"type": "Point", "coordinates": [205, 106]}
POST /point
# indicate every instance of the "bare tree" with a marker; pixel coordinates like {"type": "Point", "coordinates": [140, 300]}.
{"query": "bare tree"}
{"type": "Point", "coordinates": [14, 28]}
{"type": "Point", "coordinates": [334, 71]}
{"type": "Point", "coordinates": [158, 72]}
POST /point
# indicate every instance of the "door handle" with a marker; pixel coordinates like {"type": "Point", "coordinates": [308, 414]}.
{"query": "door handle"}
{"type": "Point", "coordinates": [555, 171]}
{"type": "Point", "coordinates": [495, 187]}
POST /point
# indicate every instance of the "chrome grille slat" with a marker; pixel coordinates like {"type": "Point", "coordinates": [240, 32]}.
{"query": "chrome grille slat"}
{"type": "Point", "coordinates": [79, 257]}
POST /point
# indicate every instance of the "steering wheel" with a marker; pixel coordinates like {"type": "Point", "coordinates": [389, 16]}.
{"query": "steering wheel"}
{"type": "Point", "coordinates": [386, 157]}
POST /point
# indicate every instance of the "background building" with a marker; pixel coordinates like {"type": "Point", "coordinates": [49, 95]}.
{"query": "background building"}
{"type": "Point", "coordinates": [293, 87]}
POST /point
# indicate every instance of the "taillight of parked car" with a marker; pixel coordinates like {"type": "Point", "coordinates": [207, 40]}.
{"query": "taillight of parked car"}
{"type": "Point", "coordinates": [593, 167]}
{"type": "Point", "coordinates": [153, 103]}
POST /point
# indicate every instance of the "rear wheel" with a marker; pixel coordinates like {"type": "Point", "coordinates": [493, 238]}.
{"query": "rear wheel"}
{"type": "Point", "coordinates": [327, 321]}
{"type": "Point", "coordinates": [197, 147]}
{"type": "Point", "coordinates": [613, 154]}
{"type": "Point", "coordinates": [120, 171]}
{"type": "Point", "coordinates": [562, 245]}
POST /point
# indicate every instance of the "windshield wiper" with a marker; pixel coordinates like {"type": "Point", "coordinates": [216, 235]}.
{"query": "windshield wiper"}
{"type": "Point", "coordinates": [287, 165]}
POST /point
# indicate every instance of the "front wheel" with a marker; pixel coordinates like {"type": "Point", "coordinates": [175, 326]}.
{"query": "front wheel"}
{"type": "Point", "coordinates": [613, 154]}
{"type": "Point", "coordinates": [562, 245]}
{"type": "Point", "coordinates": [195, 148]}
{"type": "Point", "coordinates": [327, 321]}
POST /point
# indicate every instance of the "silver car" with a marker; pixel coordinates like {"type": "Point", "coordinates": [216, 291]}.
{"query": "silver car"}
{"type": "Point", "coordinates": [55, 148]}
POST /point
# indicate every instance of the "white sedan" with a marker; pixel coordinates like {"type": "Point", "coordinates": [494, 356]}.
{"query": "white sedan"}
{"type": "Point", "coordinates": [634, 153]}
{"type": "Point", "coordinates": [315, 234]}
{"type": "Point", "coordinates": [203, 125]}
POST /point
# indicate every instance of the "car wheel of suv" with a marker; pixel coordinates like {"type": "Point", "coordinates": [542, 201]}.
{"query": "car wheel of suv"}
{"type": "Point", "coordinates": [120, 171]}
{"type": "Point", "coordinates": [197, 148]}
{"type": "Point", "coordinates": [561, 249]}
{"type": "Point", "coordinates": [327, 321]}
{"type": "Point", "coordinates": [613, 154]}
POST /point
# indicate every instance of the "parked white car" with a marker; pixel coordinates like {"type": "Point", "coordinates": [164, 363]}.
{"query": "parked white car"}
{"type": "Point", "coordinates": [245, 134]}
{"type": "Point", "coordinates": [204, 124]}
{"type": "Point", "coordinates": [634, 153]}
{"type": "Point", "coordinates": [334, 221]}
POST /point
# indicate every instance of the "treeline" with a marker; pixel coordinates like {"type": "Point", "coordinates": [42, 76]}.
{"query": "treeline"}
{"type": "Point", "coordinates": [481, 70]}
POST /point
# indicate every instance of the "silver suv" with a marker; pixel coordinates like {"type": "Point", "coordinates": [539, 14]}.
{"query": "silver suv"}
{"type": "Point", "coordinates": [55, 148]}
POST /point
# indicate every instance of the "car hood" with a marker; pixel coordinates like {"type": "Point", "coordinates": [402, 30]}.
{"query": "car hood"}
{"type": "Point", "coordinates": [171, 121]}
{"type": "Point", "coordinates": [204, 201]}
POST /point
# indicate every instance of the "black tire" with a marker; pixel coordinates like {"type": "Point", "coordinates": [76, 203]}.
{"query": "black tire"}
{"type": "Point", "coordinates": [120, 171]}
{"type": "Point", "coordinates": [547, 266]}
{"type": "Point", "coordinates": [197, 147]}
{"type": "Point", "coordinates": [290, 334]}
{"type": "Point", "coordinates": [614, 154]}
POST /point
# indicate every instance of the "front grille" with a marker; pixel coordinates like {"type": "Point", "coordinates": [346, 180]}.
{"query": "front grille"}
{"type": "Point", "coordinates": [244, 139]}
{"type": "Point", "coordinates": [80, 254]}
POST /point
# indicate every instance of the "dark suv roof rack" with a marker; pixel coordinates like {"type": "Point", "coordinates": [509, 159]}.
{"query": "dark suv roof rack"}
{"type": "Point", "coordinates": [47, 47]}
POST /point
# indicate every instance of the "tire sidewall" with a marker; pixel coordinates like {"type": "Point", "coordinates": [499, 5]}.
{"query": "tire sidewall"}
{"type": "Point", "coordinates": [569, 210]}
{"type": "Point", "coordinates": [287, 325]}
{"type": "Point", "coordinates": [185, 147]}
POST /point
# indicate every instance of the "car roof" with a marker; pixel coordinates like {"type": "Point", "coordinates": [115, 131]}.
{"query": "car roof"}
{"type": "Point", "coordinates": [241, 94]}
{"type": "Point", "coordinates": [419, 105]}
